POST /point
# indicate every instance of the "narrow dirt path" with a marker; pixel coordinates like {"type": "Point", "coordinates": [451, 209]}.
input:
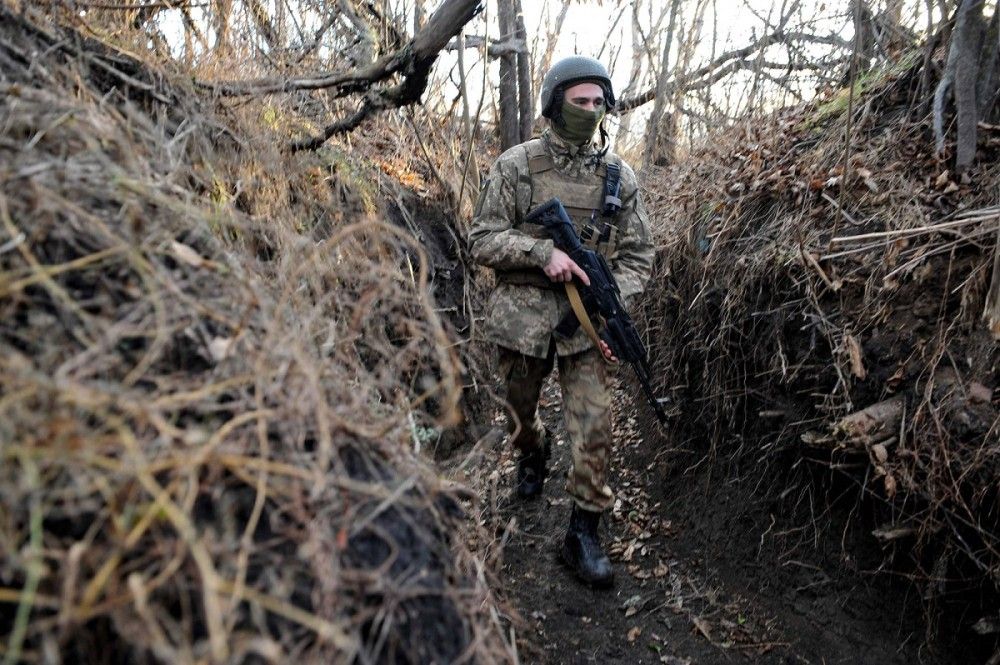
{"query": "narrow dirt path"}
{"type": "Point", "coordinates": [681, 596]}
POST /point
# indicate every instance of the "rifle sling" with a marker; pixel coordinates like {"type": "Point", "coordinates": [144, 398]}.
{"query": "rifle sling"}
{"type": "Point", "coordinates": [576, 302]}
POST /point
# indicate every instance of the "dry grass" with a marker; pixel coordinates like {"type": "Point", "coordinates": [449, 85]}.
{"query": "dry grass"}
{"type": "Point", "coordinates": [214, 360]}
{"type": "Point", "coordinates": [821, 275]}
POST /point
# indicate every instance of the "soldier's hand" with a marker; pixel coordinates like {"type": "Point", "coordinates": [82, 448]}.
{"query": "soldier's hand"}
{"type": "Point", "coordinates": [606, 350]}
{"type": "Point", "coordinates": [561, 268]}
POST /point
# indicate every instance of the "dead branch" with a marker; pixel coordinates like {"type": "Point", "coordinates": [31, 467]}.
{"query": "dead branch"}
{"type": "Point", "coordinates": [122, 6]}
{"type": "Point", "coordinates": [413, 60]}
{"type": "Point", "coordinates": [776, 37]}
{"type": "Point", "coordinates": [550, 43]}
{"type": "Point", "coordinates": [263, 23]}
{"type": "Point", "coordinates": [661, 91]}
{"type": "Point", "coordinates": [366, 48]}
{"type": "Point", "coordinates": [497, 48]}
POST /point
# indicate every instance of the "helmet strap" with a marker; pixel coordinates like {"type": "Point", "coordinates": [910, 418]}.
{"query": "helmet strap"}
{"type": "Point", "coordinates": [558, 95]}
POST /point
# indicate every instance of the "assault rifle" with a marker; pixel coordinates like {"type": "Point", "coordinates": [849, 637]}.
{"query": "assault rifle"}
{"type": "Point", "coordinates": [601, 300]}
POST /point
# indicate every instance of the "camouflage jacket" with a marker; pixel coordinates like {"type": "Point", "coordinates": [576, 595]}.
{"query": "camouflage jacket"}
{"type": "Point", "coordinates": [522, 317]}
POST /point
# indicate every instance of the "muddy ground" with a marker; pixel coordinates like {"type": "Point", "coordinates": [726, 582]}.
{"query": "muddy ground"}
{"type": "Point", "coordinates": [705, 573]}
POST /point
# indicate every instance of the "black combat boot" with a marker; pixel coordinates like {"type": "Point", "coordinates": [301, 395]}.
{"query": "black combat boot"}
{"type": "Point", "coordinates": [582, 549]}
{"type": "Point", "coordinates": [531, 470]}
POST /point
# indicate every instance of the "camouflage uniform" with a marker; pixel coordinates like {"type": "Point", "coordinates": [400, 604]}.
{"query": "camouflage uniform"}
{"type": "Point", "coordinates": [526, 306]}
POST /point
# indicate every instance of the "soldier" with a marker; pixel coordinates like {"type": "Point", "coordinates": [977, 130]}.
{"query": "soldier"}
{"type": "Point", "coordinates": [530, 299]}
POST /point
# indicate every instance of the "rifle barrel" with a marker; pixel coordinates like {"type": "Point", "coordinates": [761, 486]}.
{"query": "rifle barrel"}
{"type": "Point", "coordinates": [661, 415]}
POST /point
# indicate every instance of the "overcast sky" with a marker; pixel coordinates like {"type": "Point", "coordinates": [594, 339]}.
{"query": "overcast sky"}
{"type": "Point", "coordinates": [588, 30]}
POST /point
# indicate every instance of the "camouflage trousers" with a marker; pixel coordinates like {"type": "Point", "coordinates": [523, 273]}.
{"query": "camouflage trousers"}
{"type": "Point", "coordinates": [585, 382]}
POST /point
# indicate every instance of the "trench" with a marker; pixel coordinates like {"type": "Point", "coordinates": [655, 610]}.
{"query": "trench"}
{"type": "Point", "coordinates": [705, 571]}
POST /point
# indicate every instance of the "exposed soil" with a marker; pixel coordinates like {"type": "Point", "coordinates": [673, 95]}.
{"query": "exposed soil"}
{"type": "Point", "coordinates": [704, 572]}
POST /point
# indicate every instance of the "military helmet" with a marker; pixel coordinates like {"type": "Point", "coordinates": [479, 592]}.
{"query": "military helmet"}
{"type": "Point", "coordinates": [574, 69]}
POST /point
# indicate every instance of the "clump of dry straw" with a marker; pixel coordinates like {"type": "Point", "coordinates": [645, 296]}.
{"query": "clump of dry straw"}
{"type": "Point", "coordinates": [825, 303]}
{"type": "Point", "coordinates": [208, 370]}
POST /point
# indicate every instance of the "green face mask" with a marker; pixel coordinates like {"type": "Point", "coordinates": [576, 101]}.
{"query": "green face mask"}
{"type": "Point", "coordinates": [578, 125]}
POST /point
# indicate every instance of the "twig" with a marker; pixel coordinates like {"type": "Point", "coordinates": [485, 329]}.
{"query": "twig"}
{"type": "Point", "coordinates": [33, 567]}
{"type": "Point", "coordinates": [916, 231]}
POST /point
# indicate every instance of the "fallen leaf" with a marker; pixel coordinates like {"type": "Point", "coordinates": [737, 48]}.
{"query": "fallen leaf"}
{"type": "Point", "coordinates": [986, 626]}
{"type": "Point", "coordinates": [814, 438]}
{"type": "Point", "coordinates": [703, 628]}
{"type": "Point", "coordinates": [634, 634]}
{"type": "Point", "coordinates": [979, 394]}
{"type": "Point", "coordinates": [888, 534]}
{"type": "Point", "coordinates": [897, 377]}
{"type": "Point", "coordinates": [220, 348]}
{"type": "Point", "coordinates": [890, 486]}
{"type": "Point", "coordinates": [674, 660]}
{"type": "Point", "coordinates": [187, 254]}
{"type": "Point", "coordinates": [632, 605]}
{"type": "Point", "coordinates": [857, 364]}
{"type": "Point", "coordinates": [880, 453]}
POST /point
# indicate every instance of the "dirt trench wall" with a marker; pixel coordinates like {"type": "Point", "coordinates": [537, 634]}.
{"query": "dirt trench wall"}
{"type": "Point", "coordinates": [209, 366]}
{"type": "Point", "coordinates": [818, 279]}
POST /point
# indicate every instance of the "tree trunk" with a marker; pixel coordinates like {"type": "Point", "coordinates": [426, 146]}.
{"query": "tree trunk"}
{"type": "Point", "coordinates": [989, 68]}
{"type": "Point", "coordinates": [220, 16]}
{"type": "Point", "coordinates": [661, 86]}
{"type": "Point", "coordinates": [864, 26]}
{"type": "Point", "coordinates": [526, 96]}
{"type": "Point", "coordinates": [967, 41]}
{"type": "Point", "coordinates": [638, 53]}
{"type": "Point", "coordinates": [665, 152]}
{"type": "Point", "coordinates": [969, 74]}
{"type": "Point", "coordinates": [366, 49]}
{"type": "Point", "coordinates": [510, 131]}
{"type": "Point", "coordinates": [262, 20]}
{"type": "Point", "coordinates": [992, 311]}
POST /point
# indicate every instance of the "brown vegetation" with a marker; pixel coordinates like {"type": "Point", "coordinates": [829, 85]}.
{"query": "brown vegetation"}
{"type": "Point", "coordinates": [825, 302]}
{"type": "Point", "coordinates": [216, 362]}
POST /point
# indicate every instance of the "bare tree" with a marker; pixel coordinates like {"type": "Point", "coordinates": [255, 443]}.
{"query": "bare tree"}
{"type": "Point", "coordinates": [221, 15]}
{"type": "Point", "coordinates": [525, 93]}
{"type": "Point", "coordinates": [510, 131]}
{"type": "Point", "coordinates": [970, 78]}
{"type": "Point", "coordinates": [551, 38]}
{"type": "Point", "coordinates": [641, 55]}
{"type": "Point", "coordinates": [661, 84]}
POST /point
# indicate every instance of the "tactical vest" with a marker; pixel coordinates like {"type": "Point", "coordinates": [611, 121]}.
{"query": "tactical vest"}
{"type": "Point", "coordinates": [583, 198]}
